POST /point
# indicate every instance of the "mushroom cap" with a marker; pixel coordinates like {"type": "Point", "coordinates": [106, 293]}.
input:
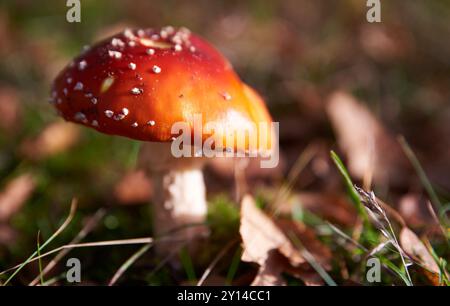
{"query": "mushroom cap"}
{"type": "Point", "coordinates": [138, 83]}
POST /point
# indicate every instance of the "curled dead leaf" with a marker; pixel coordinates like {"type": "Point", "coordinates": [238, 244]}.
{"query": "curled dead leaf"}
{"type": "Point", "coordinates": [10, 108]}
{"type": "Point", "coordinates": [415, 248]}
{"type": "Point", "coordinates": [260, 235]}
{"type": "Point", "coordinates": [55, 138]}
{"type": "Point", "coordinates": [266, 243]}
{"type": "Point", "coordinates": [385, 44]}
{"type": "Point", "coordinates": [364, 140]}
{"type": "Point", "coordinates": [269, 274]}
{"type": "Point", "coordinates": [7, 234]}
{"type": "Point", "coordinates": [14, 195]}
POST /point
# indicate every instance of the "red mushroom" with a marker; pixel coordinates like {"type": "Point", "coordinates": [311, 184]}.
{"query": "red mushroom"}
{"type": "Point", "coordinates": [138, 84]}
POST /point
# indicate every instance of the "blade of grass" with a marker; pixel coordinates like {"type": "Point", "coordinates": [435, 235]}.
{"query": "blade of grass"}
{"type": "Point", "coordinates": [442, 264]}
{"type": "Point", "coordinates": [312, 261]}
{"type": "Point", "coordinates": [215, 261]}
{"type": "Point", "coordinates": [233, 266]}
{"type": "Point", "coordinates": [187, 265]}
{"type": "Point", "coordinates": [165, 260]}
{"type": "Point", "coordinates": [145, 240]}
{"type": "Point", "coordinates": [300, 164]}
{"type": "Point", "coordinates": [41, 276]}
{"type": "Point", "coordinates": [84, 245]}
{"type": "Point", "coordinates": [396, 270]}
{"type": "Point", "coordinates": [133, 156]}
{"type": "Point", "coordinates": [128, 263]}
{"type": "Point", "coordinates": [347, 237]}
{"type": "Point", "coordinates": [55, 234]}
{"type": "Point", "coordinates": [444, 231]}
{"type": "Point", "coordinates": [353, 193]}
{"type": "Point", "coordinates": [420, 172]}
{"type": "Point", "coordinates": [379, 216]}
{"type": "Point", "coordinates": [92, 222]}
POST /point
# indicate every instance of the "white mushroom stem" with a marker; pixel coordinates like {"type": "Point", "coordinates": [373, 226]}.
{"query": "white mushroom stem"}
{"type": "Point", "coordinates": [179, 201]}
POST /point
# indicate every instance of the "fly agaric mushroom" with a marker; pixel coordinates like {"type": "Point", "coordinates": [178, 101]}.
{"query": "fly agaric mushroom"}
{"type": "Point", "coordinates": [138, 84]}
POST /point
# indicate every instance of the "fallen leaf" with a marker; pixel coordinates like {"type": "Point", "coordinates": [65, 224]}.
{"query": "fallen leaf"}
{"type": "Point", "coordinates": [269, 274]}
{"type": "Point", "coordinates": [134, 187]}
{"type": "Point", "coordinates": [265, 243]}
{"type": "Point", "coordinates": [10, 108]}
{"type": "Point", "coordinates": [364, 140]}
{"type": "Point", "coordinates": [8, 35]}
{"type": "Point", "coordinates": [55, 138]}
{"type": "Point", "coordinates": [14, 195]}
{"type": "Point", "coordinates": [385, 44]}
{"type": "Point", "coordinates": [260, 235]}
{"type": "Point", "coordinates": [306, 273]}
{"type": "Point", "coordinates": [415, 248]}
{"type": "Point", "coordinates": [7, 234]}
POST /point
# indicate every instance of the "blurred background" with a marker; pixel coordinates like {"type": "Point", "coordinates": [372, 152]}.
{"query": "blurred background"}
{"type": "Point", "coordinates": [332, 80]}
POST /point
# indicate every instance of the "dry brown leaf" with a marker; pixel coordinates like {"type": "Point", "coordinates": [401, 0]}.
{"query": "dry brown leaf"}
{"type": "Point", "coordinates": [8, 36]}
{"type": "Point", "coordinates": [269, 274]}
{"type": "Point", "coordinates": [267, 245]}
{"type": "Point", "coordinates": [55, 138]}
{"type": "Point", "coordinates": [10, 108]}
{"type": "Point", "coordinates": [134, 187]}
{"type": "Point", "coordinates": [369, 148]}
{"type": "Point", "coordinates": [260, 235]}
{"type": "Point", "coordinates": [385, 44]}
{"type": "Point", "coordinates": [7, 234]}
{"type": "Point", "coordinates": [14, 195]}
{"type": "Point", "coordinates": [415, 248]}
{"type": "Point", "coordinates": [306, 273]}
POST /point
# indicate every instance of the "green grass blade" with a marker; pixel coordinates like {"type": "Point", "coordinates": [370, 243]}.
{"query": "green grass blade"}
{"type": "Point", "coordinates": [397, 271]}
{"type": "Point", "coordinates": [312, 261]}
{"type": "Point", "coordinates": [41, 275]}
{"type": "Point", "coordinates": [420, 172]}
{"type": "Point", "coordinates": [353, 193]}
{"type": "Point", "coordinates": [186, 261]}
{"type": "Point", "coordinates": [55, 234]}
{"type": "Point", "coordinates": [234, 266]}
